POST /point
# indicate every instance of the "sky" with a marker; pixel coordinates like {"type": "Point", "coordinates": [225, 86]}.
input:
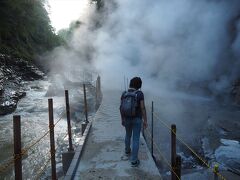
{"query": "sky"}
{"type": "Point", "coordinates": [62, 12]}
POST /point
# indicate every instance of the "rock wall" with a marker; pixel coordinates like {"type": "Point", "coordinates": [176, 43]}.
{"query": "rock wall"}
{"type": "Point", "coordinates": [13, 73]}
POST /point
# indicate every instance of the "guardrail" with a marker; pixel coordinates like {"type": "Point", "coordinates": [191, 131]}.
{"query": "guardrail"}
{"type": "Point", "coordinates": [175, 164]}
{"type": "Point", "coordinates": [19, 152]}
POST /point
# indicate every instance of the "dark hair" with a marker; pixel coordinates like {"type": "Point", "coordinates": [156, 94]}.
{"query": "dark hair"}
{"type": "Point", "coordinates": [135, 83]}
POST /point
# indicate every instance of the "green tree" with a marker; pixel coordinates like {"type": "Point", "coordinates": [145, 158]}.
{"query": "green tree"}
{"type": "Point", "coordinates": [25, 28]}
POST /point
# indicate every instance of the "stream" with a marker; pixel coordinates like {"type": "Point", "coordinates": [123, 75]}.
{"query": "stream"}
{"type": "Point", "coordinates": [34, 124]}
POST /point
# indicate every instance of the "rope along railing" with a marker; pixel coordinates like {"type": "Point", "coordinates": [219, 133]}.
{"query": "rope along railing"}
{"type": "Point", "coordinates": [161, 154]}
{"type": "Point", "coordinates": [43, 168]}
{"type": "Point", "coordinates": [30, 147]}
{"type": "Point", "coordinates": [5, 166]}
{"type": "Point", "coordinates": [16, 159]}
{"type": "Point", "coordinates": [195, 153]}
{"type": "Point", "coordinates": [25, 150]}
{"type": "Point", "coordinates": [45, 165]}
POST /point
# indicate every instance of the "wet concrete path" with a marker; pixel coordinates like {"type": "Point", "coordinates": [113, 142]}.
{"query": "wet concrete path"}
{"type": "Point", "coordinates": [103, 154]}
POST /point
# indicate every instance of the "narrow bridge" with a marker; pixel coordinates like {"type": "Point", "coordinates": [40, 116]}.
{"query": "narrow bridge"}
{"type": "Point", "coordinates": [101, 157]}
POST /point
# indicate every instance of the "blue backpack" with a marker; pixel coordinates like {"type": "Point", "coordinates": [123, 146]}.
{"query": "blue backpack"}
{"type": "Point", "coordinates": [129, 104]}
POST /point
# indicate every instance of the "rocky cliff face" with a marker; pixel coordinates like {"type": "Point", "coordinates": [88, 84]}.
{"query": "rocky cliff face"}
{"type": "Point", "coordinates": [13, 73]}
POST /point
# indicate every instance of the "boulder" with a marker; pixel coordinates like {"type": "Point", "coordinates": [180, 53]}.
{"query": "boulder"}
{"type": "Point", "coordinates": [7, 107]}
{"type": "Point", "coordinates": [13, 71]}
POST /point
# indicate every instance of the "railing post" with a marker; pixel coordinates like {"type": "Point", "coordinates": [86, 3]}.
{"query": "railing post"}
{"type": "Point", "coordinates": [178, 166]}
{"type": "Point", "coordinates": [152, 132]}
{"type": "Point", "coordinates": [68, 121]}
{"type": "Point", "coordinates": [84, 125]}
{"type": "Point", "coordinates": [85, 103]}
{"type": "Point", "coordinates": [52, 141]}
{"type": "Point", "coordinates": [99, 84]}
{"type": "Point", "coordinates": [97, 95]}
{"type": "Point", "coordinates": [17, 147]}
{"type": "Point", "coordinates": [173, 150]}
{"type": "Point", "coordinates": [98, 91]}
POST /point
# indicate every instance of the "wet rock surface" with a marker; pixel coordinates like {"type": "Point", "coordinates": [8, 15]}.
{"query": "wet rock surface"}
{"type": "Point", "coordinates": [13, 73]}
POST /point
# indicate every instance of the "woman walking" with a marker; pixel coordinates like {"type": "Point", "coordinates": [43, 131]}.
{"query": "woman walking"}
{"type": "Point", "coordinates": [132, 110]}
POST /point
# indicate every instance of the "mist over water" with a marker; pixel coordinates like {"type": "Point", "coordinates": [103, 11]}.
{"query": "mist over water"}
{"type": "Point", "coordinates": [167, 43]}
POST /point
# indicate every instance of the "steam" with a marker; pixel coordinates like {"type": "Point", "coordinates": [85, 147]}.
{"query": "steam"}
{"type": "Point", "coordinates": [173, 45]}
{"type": "Point", "coordinates": [166, 43]}
{"type": "Point", "coordinates": [177, 41]}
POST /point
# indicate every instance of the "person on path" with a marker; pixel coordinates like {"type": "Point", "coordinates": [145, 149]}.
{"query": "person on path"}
{"type": "Point", "coordinates": [133, 122]}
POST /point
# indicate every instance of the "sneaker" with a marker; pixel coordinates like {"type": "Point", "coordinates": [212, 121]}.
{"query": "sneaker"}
{"type": "Point", "coordinates": [126, 155]}
{"type": "Point", "coordinates": [135, 163]}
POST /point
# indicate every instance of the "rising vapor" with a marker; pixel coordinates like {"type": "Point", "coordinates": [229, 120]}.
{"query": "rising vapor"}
{"type": "Point", "coordinates": [167, 43]}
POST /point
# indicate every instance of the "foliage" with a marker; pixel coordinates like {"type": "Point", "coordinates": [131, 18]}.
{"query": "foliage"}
{"type": "Point", "coordinates": [25, 28]}
{"type": "Point", "coordinates": [67, 33]}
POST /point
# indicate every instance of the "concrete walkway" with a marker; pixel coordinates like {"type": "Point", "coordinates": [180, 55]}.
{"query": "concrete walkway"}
{"type": "Point", "coordinates": [103, 154]}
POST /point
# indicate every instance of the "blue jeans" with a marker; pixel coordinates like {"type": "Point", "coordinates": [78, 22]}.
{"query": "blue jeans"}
{"type": "Point", "coordinates": [133, 127]}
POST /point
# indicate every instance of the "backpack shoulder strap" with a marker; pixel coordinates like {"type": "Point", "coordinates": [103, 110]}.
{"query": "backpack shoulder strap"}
{"type": "Point", "coordinates": [123, 94]}
{"type": "Point", "coordinates": [136, 93]}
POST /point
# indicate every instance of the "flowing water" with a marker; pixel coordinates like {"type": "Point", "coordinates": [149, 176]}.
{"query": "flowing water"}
{"type": "Point", "coordinates": [34, 124]}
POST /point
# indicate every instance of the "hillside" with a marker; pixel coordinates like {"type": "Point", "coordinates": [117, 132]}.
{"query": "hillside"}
{"type": "Point", "coordinates": [25, 29]}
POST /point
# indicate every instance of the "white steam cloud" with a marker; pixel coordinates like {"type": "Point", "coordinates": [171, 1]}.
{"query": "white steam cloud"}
{"type": "Point", "coordinates": [167, 43]}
